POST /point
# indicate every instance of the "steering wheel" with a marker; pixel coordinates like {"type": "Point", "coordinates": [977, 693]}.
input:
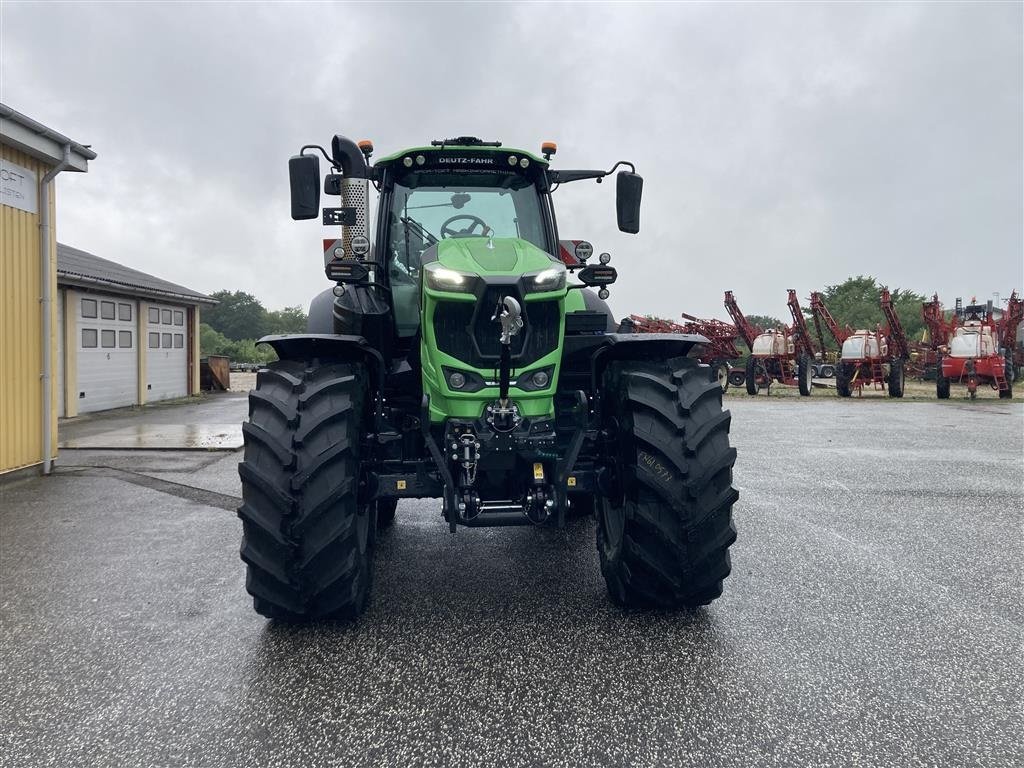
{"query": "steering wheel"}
{"type": "Point", "coordinates": [447, 231]}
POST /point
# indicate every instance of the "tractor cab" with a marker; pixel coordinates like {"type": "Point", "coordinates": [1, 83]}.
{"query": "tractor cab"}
{"type": "Point", "coordinates": [488, 217]}
{"type": "Point", "coordinates": [451, 218]}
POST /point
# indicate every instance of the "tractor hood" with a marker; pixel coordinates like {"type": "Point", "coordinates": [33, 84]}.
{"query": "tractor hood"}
{"type": "Point", "coordinates": [467, 265]}
{"type": "Point", "coordinates": [493, 256]}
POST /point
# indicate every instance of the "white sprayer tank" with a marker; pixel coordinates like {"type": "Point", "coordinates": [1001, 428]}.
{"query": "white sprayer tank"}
{"type": "Point", "coordinates": [972, 340]}
{"type": "Point", "coordinates": [864, 344]}
{"type": "Point", "coordinates": [772, 344]}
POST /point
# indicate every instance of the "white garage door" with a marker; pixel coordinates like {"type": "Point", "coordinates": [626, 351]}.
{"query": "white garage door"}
{"type": "Point", "coordinates": [107, 352]}
{"type": "Point", "coordinates": [166, 356]}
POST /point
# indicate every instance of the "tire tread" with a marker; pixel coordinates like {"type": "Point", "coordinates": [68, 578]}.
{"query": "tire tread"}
{"type": "Point", "coordinates": [674, 548]}
{"type": "Point", "coordinates": [301, 541]}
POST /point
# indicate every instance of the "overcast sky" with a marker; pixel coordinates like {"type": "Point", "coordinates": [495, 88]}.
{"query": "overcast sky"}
{"type": "Point", "coordinates": [782, 145]}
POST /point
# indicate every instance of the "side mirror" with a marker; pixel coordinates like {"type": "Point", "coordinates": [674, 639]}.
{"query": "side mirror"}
{"type": "Point", "coordinates": [304, 178]}
{"type": "Point", "coordinates": [628, 189]}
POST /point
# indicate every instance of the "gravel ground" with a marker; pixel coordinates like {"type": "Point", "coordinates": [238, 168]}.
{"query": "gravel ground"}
{"type": "Point", "coordinates": [242, 382]}
{"type": "Point", "coordinates": [873, 617]}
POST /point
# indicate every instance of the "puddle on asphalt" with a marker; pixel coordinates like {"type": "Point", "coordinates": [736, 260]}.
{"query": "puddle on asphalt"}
{"type": "Point", "coordinates": [203, 437]}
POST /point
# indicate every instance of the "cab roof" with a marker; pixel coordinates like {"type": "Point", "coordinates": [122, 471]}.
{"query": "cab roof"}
{"type": "Point", "coordinates": [475, 148]}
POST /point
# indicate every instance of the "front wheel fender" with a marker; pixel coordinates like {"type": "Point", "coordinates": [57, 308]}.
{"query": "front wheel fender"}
{"type": "Point", "coordinates": [642, 346]}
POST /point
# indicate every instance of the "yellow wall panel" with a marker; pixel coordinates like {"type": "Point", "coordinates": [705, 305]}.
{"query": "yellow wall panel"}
{"type": "Point", "coordinates": [21, 348]}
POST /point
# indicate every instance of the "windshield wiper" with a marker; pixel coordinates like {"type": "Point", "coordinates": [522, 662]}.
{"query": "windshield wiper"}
{"type": "Point", "coordinates": [424, 235]}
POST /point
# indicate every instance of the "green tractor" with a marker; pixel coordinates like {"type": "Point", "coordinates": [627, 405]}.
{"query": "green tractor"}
{"type": "Point", "coordinates": [465, 353]}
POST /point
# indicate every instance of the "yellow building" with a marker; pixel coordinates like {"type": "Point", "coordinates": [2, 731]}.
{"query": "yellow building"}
{"type": "Point", "coordinates": [31, 157]}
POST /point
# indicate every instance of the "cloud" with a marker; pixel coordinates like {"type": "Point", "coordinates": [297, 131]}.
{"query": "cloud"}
{"type": "Point", "coordinates": [782, 145]}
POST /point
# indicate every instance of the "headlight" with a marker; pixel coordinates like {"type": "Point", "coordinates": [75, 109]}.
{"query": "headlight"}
{"type": "Point", "coordinates": [537, 380]}
{"type": "Point", "coordinates": [551, 279]}
{"type": "Point", "coordinates": [463, 381]}
{"type": "Point", "coordinates": [444, 279]}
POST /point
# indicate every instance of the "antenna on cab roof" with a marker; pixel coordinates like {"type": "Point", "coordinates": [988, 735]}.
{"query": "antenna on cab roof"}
{"type": "Point", "coordinates": [464, 141]}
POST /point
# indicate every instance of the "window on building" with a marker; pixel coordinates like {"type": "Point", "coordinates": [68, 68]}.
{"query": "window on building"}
{"type": "Point", "coordinates": [88, 307]}
{"type": "Point", "coordinates": [89, 337]}
{"type": "Point", "coordinates": [179, 341]}
{"type": "Point", "coordinates": [154, 315]}
{"type": "Point", "coordinates": [154, 341]}
{"type": "Point", "coordinates": [108, 339]}
{"type": "Point", "coordinates": [179, 317]}
{"type": "Point", "coordinates": [165, 316]}
{"type": "Point", "coordinates": [107, 310]}
{"type": "Point", "coordinates": [165, 340]}
{"type": "Point", "coordinates": [124, 312]}
{"type": "Point", "coordinates": [124, 339]}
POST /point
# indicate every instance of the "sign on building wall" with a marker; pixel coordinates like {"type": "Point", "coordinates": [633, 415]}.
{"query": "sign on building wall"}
{"type": "Point", "coordinates": [19, 187]}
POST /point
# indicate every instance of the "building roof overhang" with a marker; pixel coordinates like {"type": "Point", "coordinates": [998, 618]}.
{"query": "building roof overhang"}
{"type": "Point", "coordinates": [45, 144]}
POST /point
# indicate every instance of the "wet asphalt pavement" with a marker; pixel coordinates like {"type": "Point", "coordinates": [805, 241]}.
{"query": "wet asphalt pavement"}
{"type": "Point", "coordinates": [874, 617]}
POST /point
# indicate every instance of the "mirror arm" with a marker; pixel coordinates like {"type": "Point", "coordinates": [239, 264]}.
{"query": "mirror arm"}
{"type": "Point", "coordinates": [322, 152]}
{"type": "Point", "coordinates": [564, 177]}
{"type": "Point", "coordinates": [632, 168]}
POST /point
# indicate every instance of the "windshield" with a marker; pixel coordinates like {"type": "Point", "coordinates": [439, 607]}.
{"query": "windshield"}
{"type": "Point", "coordinates": [420, 216]}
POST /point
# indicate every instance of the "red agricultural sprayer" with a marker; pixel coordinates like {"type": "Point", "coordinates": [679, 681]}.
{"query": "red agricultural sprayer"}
{"type": "Point", "coordinates": [784, 355]}
{"type": "Point", "coordinates": [866, 358]}
{"type": "Point", "coordinates": [978, 351]}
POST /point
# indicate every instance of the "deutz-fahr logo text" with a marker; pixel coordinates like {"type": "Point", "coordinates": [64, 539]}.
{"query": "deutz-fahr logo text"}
{"type": "Point", "coordinates": [467, 160]}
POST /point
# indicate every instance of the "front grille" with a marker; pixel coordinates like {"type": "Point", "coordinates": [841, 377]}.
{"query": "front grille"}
{"type": "Point", "coordinates": [451, 323]}
{"type": "Point", "coordinates": [466, 332]}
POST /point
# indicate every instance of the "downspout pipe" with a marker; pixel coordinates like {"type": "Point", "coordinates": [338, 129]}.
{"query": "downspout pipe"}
{"type": "Point", "coordinates": [45, 303]}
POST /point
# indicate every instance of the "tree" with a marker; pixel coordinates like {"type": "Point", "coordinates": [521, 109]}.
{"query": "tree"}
{"type": "Point", "coordinates": [238, 315]}
{"type": "Point", "coordinates": [212, 342]}
{"type": "Point", "coordinates": [856, 302]}
{"type": "Point", "coordinates": [287, 320]}
{"type": "Point", "coordinates": [908, 308]}
{"type": "Point", "coordinates": [765, 322]}
{"type": "Point", "coordinates": [244, 351]}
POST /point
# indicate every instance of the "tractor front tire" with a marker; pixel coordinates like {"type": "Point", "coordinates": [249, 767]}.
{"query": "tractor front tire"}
{"type": "Point", "coordinates": [804, 375]}
{"type": "Point", "coordinates": [897, 377]}
{"type": "Point", "coordinates": [753, 385]}
{"type": "Point", "coordinates": [663, 536]}
{"type": "Point", "coordinates": [306, 540]}
{"type": "Point", "coordinates": [736, 378]}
